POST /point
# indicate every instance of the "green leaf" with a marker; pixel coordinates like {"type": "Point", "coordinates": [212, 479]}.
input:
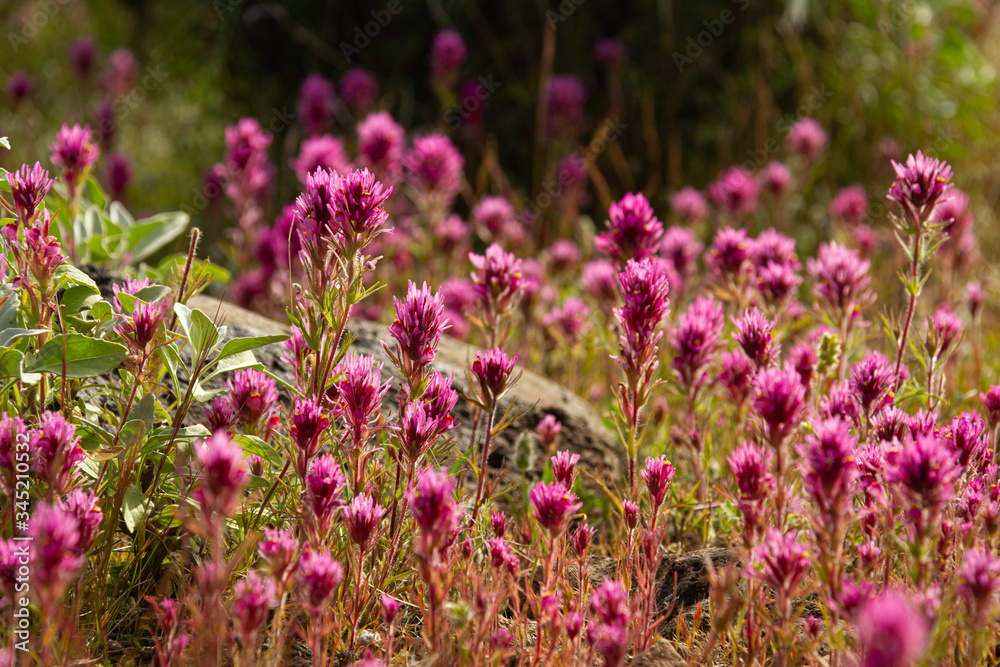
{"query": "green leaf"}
{"type": "Point", "coordinates": [5, 142]}
{"type": "Point", "coordinates": [252, 343]}
{"type": "Point", "coordinates": [85, 356]}
{"type": "Point", "coordinates": [150, 234]}
{"type": "Point", "coordinates": [77, 298]}
{"type": "Point", "coordinates": [183, 318]}
{"type": "Point", "coordinates": [204, 333]}
{"type": "Point", "coordinates": [161, 436]}
{"type": "Point", "coordinates": [153, 293]}
{"type": "Point", "coordinates": [8, 336]}
{"type": "Point", "coordinates": [10, 303]}
{"type": "Point", "coordinates": [234, 362]}
{"type": "Point", "coordinates": [205, 395]}
{"type": "Point", "coordinates": [120, 215]}
{"type": "Point", "coordinates": [67, 273]}
{"type": "Point", "coordinates": [254, 445]}
{"type": "Point", "coordinates": [135, 507]}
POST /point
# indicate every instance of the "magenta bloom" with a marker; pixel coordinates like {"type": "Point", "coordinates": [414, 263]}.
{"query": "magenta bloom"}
{"type": "Point", "coordinates": [965, 434]}
{"type": "Point", "coordinates": [920, 185]}
{"type": "Point", "coordinates": [11, 432]}
{"type": "Point", "coordinates": [552, 505]}
{"type": "Point", "coordinates": [634, 232]}
{"type": "Point", "coordinates": [736, 373]}
{"type": "Point", "coordinates": [141, 329]}
{"type": "Point", "coordinates": [306, 427]}
{"type": "Point", "coordinates": [695, 340]}
{"type": "Point", "coordinates": [891, 632]}
{"type": "Point", "coordinates": [359, 89]}
{"type": "Point", "coordinates": [363, 517]}
{"type": "Point", "coordinates": [357, 209]}
{"type": "Point", "coordinates": [980, 576]}
{"type": "Point", "coordinates": [492, 216]}
{"type": "Point", "coordinates": [448, 52]}
{"type": "Point", "coordinates": [56, 451]}
{"type": "Point", "coordinates": [28, 187]}
{"type": "Point", "coordinates": [828, 463]}
{"type": "Point", "coordinates": [417, 329]}
{"type": "Point", "coordinates": [432, 504]}
{"type": "Point", "coordinates": [324, 493]}
{"type": "Point", "coordinates": [598, 280]}
{"type": "Point", "coordinates": [991, 403]}
{"type": "Point", "coordinates": [502, 557]}
{"type": "Point", "coordinates": [777, 178]}
{"type": "Point", "coordinates": [750, 466]}
{"type": "Point", "coordinates": [492, 369]}
{"type": "Point", "coordinates": [254, 397]}
{"type": "Point", "coordinates": [807, 139]}
{"type": "Point", "coordinates": [380, 145]}
{"type": "Point", "coordinates": [779, 401]}
{"type": "Point", "coordinates": [730, 254]}
{"type": "Point", "coordinates": [944, 332]}
{"type": "Point", "coordinates": [435, 166]}
{"type": "Point", "coordinates": [497, 280]}
{"type": "Point", "coordinates": [563, 255]}
{"type": "Point", "coordinates": [82, 54]}
{"type": "Point", "coordinates": [841, 280]}
{"type": "Point", "coordinates": [223, 476]}
{"type": "Point", "coordinates": [570, 318]}
{"type": "Point", "coordinates": [359, 391]}
{"type": "Point", "coordinates": [777, 283]}
{"type": "Point", "coordinates": [55, 559]}
{"type": "Point", "coordinates": [657, 475]}
{"type": "Point", "coordinates": [390, 607]}
{"type": "Point", "coordinates": [316, 104]}
{"type": "Point", "coordinates": [850, 205]}
{"type": "Point", "coordinates": [753, 334]}
{"type": "Point", "coordinates": [773, 246]}
{"type": "Point", "coordinates": [610, 51]}
{"type": "Point", "coordinates": [548, 430]}
{"type": "Point", "coordinates": [325, 152]}
{"type": "Point", "coordinates": [119, 175]}
{"type": "Point", "coordinates": [925, 470]}
{"type": "Point", "coordinates": [74, 151]}
{"type": "Point", "coordinates": [253, 597]}
{"type": "Point", "coordinates": [608, 630]}
{"type": "Point", "coordinates": [246, 144]}
{"type": "Point", "coordinates": [119, 76]}
{"type": "Point", "coordinates": [564, 468]}
{"type": "Point", "coordinates": [974, 298]}
{"type": "Point", "coordinates": [735, 191]}
{"type": "Point", "coordinates": [689, 205]}
{"type": "Point", "coordinates": [780, 562]}
{"type": "Point", "coordinates": [83, 506]}
{"type": "Point", "coordinates": [681, 248]}
{"type": "Point", "coordinates": [278, 549]}
{"type": "Point", "coordinates": [644, 289]}
{"type": "Point", "coordinates": [319, 576]}
{"type": "Point", "coordinates": [872, 381]}
{"type": "Point", "coordinates": [566, 99]}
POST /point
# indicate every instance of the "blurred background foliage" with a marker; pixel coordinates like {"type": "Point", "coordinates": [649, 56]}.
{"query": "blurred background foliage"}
{"type": "Point", "coordinates": [705, 84]}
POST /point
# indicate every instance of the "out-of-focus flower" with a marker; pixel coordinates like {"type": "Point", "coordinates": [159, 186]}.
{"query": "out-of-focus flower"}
{"type": "Point", "coordinates": [777, 178]}
{"type": "Point", "coordinates": [695, 339]}
{"type": "Point", "coordinates": [570, 318]}
{"type": "Point", "coordinates": [598, 280]}
{"type": "Point", "coordinates": [841, 280]}
{"type": "Point", "coordinates": [736, 373]}
{"type": "Point", "coordinates": [780, 562]}
{"type": "Point", "coordinates": [253, 597]}
{"type": "Point", "coordinates": [278, 549]}
{"type": "Point", "coordinates": [435, 166]}
{"type": "Point", "coordinates": [735, 191]}
{"type": "Point", "coordinates": [730, 254]}
{"type": "Point", "coordinates": [223, 476]}
{"type": "Point", "coordinates": [118, 78]}
{"type": "Point", "coordinates": [608, 631]}
{"type": "Point", "coordinates": [434, 510]}
{"type": "Point", "coordinates": [19, 86]}
{"type": "Point", "coordinates": [750, 467]}
{"type": "Point", "coordinates": [634, 231]}
{"type": "Point", "coordinates": [566, 99]}
{"type": "Point", "coordinates": [610, 51]}
{"type": "Point", "coordinates": [944, 332]}
{"type": "Point", "coordinates": [56, 451]}
{"type": "Point", "coordinates": [74, 151]}
{"type": "Point", "coordinates": [891, 633]}
{"type": "Point", "coordinates": [448, 52]}
{"type": "Point", "coordinates": [689, 205]}
{"type": "Point", "coordinates": [807, 139]}
{"type": "Point", "coordinates": [55, 549]}
{"type": "Point", "coordinates": [850, 205]}
{"type": "Point", "coordinates": [925, 470]}
{"type": "Point", "coordinates": [119, 175]}
{"type": "Point", "coordinates": [359, 89]}
{"type": "Point", "coordinates": [83, 506]}
{"type": "Point", "coordinates": [363, 516]}
{"type": "Point", "coordinates": [980, 579]}
{"type": "Point", "coordinates": [492, 216]}
{"type": "Point", "coordinates": [316, 104]}
{"type": "Point", "coordinates": [380, 145]}
{"type": "Point", "coordinates": [82, 54]}
{"type": "Point", "coordinates": [323, 151]}
{"type": "Point", "coordinates": [319, 576]}
{"type": "Point", "coordinates": [828, 461]}
{"type": "Point", "coordinates": [497, 280]}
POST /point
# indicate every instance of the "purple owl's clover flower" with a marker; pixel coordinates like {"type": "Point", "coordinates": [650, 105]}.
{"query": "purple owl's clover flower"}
{"type": "Point", "coordinates": [417, 329]}
{"type": "Point", "coordinates": [634, 232]}
{"type": "Point", "coordinates": [74, 152]}
{"type": "Point", "coordinates": [28, 187]}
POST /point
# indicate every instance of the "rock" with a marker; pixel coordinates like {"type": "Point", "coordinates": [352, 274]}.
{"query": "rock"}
{"type": "Point", "coordinates": [660, 654]}
{"type": "Point", "coordinates": [583, 432]}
